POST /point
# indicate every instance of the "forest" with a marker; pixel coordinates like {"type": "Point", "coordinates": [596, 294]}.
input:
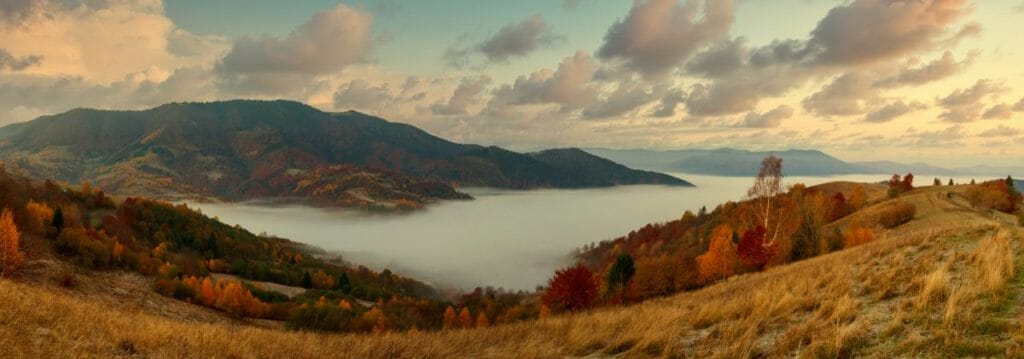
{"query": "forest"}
{"type": "Point", "coordinates": [198, 259]}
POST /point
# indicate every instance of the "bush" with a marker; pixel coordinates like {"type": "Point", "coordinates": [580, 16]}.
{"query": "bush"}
{"type": "Point", "coordinates": [994, 195]}
{"type": "Point", "coordinates": [90, 248]}
{"type": "Point", "coordinates": [896, 213]}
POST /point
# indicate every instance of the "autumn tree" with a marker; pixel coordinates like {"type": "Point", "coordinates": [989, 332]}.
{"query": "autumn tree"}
{"type": "Point", "coordinates": [322, 280]}
{"type": "Point", "coordinates": [450, 318]}
{"type": "Point", "coordinates": [10, 244]}
{"type": "Point", "coordinates": [858, 198]}
{"type": "Point", "coordinates": [662, 275]}
{"type": "Point", "coordinates": [465, 318]}
{"type": "Point", "coordinates": [481, 321]}
{"type": "Point", "coordinates": [839, 208]}
{"type": "Point", "coordinates": [937, 182]}
{"type": "Point", "coordinates": [620, 273]}
{"type": "Point", "coordinates": [753, 250]}
{"type": "Point", "coordinates": [571, 289]}
{"type": "Point", "coordinates": [39, 216]}
{"type": "Point", "coordinates": [812, 207]}
{"type": "Point", "coordinates": [951, 183]}
{"type": "Point", "coordinates": [719, 262]}
{"type": "Point", "coordinates": [770, 209]}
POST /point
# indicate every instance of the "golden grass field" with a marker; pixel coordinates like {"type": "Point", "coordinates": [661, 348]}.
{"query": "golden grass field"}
{"type": "Point", "coordinates": [946, 284]}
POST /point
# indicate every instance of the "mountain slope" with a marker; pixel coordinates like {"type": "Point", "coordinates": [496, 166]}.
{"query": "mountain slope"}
{"type": "Point", "coordinates": [944, 284]}
{"type": "Point", "coordinates": [601, 169]}
{"type": "Point", "coordinates": [251, 149]}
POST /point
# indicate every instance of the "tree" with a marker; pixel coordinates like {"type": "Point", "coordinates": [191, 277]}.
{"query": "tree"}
{"type": "Point", "coordinates": [857, 198]}
{"type": "Point", "coordinates": [207, 292]}
{"type": "Point", "coordinates": [307, 280]}
{"type": "Point", "coordinates": [895, 186]}
{"type": "Point", "coordinates": [450, 318]}
{"type": "Point", "coordinates": [620, 273]}
{"type": "Point", "coordinates": [840, 208]}
{"type": "Point", "coordinates": [344, 284]}
{"type": "Point", "coordinates": [10, 244]}
{"type": "Point", "coordinates": [465, 318]}
{"type": "Point", "coordinates": [39, 216]}
{"type": "Point", "coordinates": [58, 219]}
{"type": "Point", "coordinates": [481, 321]}
{"type": "Point", "coordinates": [908, 182]}
{"type": "Point", "coordinates": [719, 262]}
{"type": "Point", "coordinates": [753, 250]}
{"type": "Point", "coordinates": [937, 182]}
{"type": "Point", "coordinates": [771, 210]}
{"type": "Point", "coordinates": [571, 289]}
{"type": "Point", "coordinates": [951, 182]}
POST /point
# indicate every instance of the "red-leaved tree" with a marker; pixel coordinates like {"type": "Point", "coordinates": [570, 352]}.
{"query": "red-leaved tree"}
{"type": "Point", "coordinates": [572, 289]}
{"type": "Point", "coordinates": [754, 249]}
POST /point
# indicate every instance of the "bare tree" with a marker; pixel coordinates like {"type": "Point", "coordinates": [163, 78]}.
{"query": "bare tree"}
{"type": "Point", "coordinates": [764, 194]}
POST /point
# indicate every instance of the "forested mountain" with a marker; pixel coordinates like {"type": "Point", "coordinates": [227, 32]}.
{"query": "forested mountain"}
{"type": "Point", "coordinates": [244, 149]}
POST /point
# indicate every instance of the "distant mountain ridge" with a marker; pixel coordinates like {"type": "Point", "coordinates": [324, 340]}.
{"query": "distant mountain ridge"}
{"type": "Point", "coordinates": [734, 162]}
{"type": "Point", "coordinates": [246, 149]}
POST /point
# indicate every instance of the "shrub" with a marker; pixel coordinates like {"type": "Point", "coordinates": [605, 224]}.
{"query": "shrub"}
{"type": "Point", "coordinates": [896, 213]}
{"type": "Point", "coordinates": [994, 195]}
{"type": "Point", "coordinates": [856, 236]}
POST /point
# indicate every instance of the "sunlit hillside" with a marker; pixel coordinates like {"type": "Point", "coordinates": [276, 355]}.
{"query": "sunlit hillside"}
{"type": "Point", "coordinates": [946, 283]}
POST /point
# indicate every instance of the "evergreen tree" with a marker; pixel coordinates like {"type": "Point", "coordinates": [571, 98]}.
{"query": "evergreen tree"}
{"type": "Point", "coordinates": [307, 280]}
{"type": "Point", "coordinates": [620, 273]}
{"type": "Point", "coordinates": [344, 284]}
{"type": "Point", "coordinates": [58, 220]}
{"type": "Point", "coordinates": [951, 182]}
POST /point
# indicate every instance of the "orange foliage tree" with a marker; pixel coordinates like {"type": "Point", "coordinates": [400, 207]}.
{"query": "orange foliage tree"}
{"type": "Point", "coordinates": [769, 208]}
{"type": "Point", "coordinates": [571, 289]}
{"type": "Point", "coordinates": [450, 318]}
{"type": "Point", "coordinates": [481, 321]}
{"type": "Point", "coordinates": [719, 262]}
{"type": "Point", "coordinates": [10, 244]}
{"type": "Point", "coordinates": [39, 216]}
{"type": "Point", "coordinates": [465, 318]}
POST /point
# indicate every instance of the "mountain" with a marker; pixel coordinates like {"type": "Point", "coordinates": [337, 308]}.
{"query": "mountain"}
{"type": "Point", "coordinates": [601, 169]}
{"type": "Point", "coordinates": [733, 162]}
{"type": "Point", "coordinates": [729, 162]}
{"type": "Point", "coordinates": [241, 149]}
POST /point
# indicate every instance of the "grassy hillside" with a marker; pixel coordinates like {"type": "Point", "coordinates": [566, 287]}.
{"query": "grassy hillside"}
{"type": "Point", "coordinates": [945, 284]}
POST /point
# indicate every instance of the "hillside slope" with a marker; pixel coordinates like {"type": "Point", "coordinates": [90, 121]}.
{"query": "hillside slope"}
{"type": "Point", "coordinates": [240, 149]}
{"type": "Point", "coordinates": [730, 162]}
{"type": "Point", "coordinates": [946, 284]}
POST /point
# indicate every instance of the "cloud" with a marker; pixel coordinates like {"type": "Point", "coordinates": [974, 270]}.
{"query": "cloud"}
{"type": "Point", "coordinates": [938, 69]}
{"type": "Point", "coordinates": [626, 97]}
{"type": "Point", "coordinates": [519, 39]}
{"type": "Point", "coordinates": [514, 40]}
{"type": "Point", "coordinates": [360, 95]}
{"type": "Point", "coordinates": [893, 111]}
{"type": "Point", "coordinates": [658, 35]}
{"type": "Point", "coordinates": [330, 41]}
{"type": "Point", "coordinates": [1001, 131]}
{"type": "Point", "coordinates": [964, 105]}
{"type": "Point", "coordinates": [668, 103]}
{"type": "Point", "coordinates": [723, 58]}
{"type": "Point", "coordinates": [770, 119]}
{"type": "Point", "coordinates": [866, 31]}
{"type": "Point", "coordinates": [10, 62]}
{"type": "Point", "coordinates": [846, 95]}
{"type": "Point", "coordinates": [949, 137]}
{"type": "Point", "coordinates": [1019, 107]}
{"type": "Point", "coordinates": [569, 86]}
{"type": "Point", "coordinates": [1000, 111]}
{"type": "Point", "coordinates": [466, 95]}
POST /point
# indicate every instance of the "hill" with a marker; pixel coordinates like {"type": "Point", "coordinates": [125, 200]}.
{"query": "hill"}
{"type": "Point", "coordinates": [598, 168]}
{"type": "Point", "coordinates": [238, 150]}
{"type": "Point", "coordinates": [946, 283]}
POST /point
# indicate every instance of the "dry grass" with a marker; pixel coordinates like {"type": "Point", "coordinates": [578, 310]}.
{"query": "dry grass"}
{"type": "Point", "coordinates": [940, 285]}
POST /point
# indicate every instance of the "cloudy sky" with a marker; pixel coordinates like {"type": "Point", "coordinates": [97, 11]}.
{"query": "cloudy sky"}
{"type": "Point", "coordinates": [936, 81]}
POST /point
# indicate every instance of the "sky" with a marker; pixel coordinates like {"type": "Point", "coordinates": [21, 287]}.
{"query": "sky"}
{"type": "Point", "coordinates": [935, 81]}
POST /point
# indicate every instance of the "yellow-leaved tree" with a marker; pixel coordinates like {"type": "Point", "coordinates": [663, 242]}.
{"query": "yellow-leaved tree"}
{"type": "Point", "coordinates": [10, 244]}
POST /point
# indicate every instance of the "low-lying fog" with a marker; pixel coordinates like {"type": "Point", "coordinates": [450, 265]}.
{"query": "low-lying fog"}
{"type": "Point", "coordinates": [510, 239]}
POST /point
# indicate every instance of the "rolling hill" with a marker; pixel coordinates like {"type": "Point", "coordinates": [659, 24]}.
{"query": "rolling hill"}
{"type": "Point", "coordinates": [947, 283]}
{"type": "Point", "coordinates": [238, 150]}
